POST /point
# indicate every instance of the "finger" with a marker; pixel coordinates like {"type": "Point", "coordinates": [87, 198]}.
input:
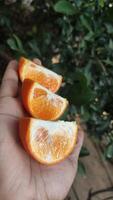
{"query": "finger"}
{"type": "Point", "coordinates": [37, 61]}
{"type": "Point", "coordinates": [80, 139]}
{"type": "Point", "coordinates": [9, 86]}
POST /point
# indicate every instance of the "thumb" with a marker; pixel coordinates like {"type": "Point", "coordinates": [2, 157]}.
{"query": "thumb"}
{"type": "Point", "coordinates": [9, 86]}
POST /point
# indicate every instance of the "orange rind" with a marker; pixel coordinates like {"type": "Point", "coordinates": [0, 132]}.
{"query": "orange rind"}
{"type": "Point", "coordinates": [42, 103]}
{"type": "Point", "coordinates": [48, 142]}
{"type": "Point", "coordinates": [47, 78]}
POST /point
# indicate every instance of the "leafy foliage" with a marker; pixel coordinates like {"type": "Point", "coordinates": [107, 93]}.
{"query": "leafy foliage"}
{"type": "Point", "coordinates": [64, 7]}
{"type": "Point", "coordinates": [75, 39]}
{"type": "Point", "coordinates": [15, 44]}
{"type": "Point", "coordinates": [109, 151]}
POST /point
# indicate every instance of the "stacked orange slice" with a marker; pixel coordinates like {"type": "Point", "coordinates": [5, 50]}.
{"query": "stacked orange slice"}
{"type": "Point", "coordinates": [42, 103]}
{"type": "Point", "coordinates": [40, 74]}
{"type": "Point", "coordinates": [46, 141]}
{"type": "Point", "coordinates": [49, 142]}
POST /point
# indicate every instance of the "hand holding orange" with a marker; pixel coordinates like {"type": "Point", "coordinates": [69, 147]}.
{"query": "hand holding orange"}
{"type": "Point", "coordinates": [46, 141]}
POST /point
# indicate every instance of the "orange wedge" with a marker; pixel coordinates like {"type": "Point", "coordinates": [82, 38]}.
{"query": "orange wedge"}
{"type": "Point", "coordinates": [48, 142]}
{"type": "Point", "coordinates": [47, 78]}
{"type": "Point", "coordinates": [40, 102]}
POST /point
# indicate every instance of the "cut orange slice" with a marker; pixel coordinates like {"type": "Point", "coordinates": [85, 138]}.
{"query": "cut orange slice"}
{"type": "Point", "coordinates": [47, 78]}
{"type": "Point", "coordinates": [48, 142]}
{"type": "Point", "coordinates": [42, 103]}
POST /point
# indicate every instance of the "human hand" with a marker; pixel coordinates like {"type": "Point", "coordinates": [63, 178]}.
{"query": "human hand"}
{"type": "Point", "coordinates": [21, 177]}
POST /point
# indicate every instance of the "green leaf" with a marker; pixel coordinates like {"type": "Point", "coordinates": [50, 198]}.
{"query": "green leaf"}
{"type": "Point", "coordinates": [19, 43]}
{"type": "Point", "coordinates": [108, 62]}
{"type": "Point", "coordinates": [101, 3]}
{"type": "Point", "coordinates": [79, 2]}
{"type": "Point", "coordinates": [111, 44]}
{"type": "Point", "coordinates": [80, 77]}
{"type": "Point", "coordinates": [109, 28]}
{"type": "Point", "coordinates": [65, 7]}
{"type": "Point", "coordinates": [85, 115]}
{"type": "Point", "coordinates": [94, 107]}
{"type": "Point", "coordinates": [16, 44]}
{"type": "Point", "coordinates": [89, 37]}
{"type": "Point", "coordinates": [102, 126]}
{"type": "Point", "coordinates": [80, 93]}
{"type": "Point", "coordinates": [86, 23]}
{"type": "Point", "coordinates": [12, 44]}
{"type": "Point", "coordinates": [87, 72]}
{"type": "Point", "coordinates": [81, 169]}
{"type": "Point", "coordinates": [5, 21]}
{"type": "Point", "coordinates": [34, 47]}
{"type": "Point", "coordinates": [84, 152]}
{"type": "Point", "coordinates": [109, 151]}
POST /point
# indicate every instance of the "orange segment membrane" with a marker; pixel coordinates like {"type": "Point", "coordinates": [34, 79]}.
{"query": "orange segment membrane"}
{"type": "Point", "coordinates": [38, 92]}
{"type": "Point", "coordinates": [50, 147]}
{"type": "Point", "coordinates": [60, 146]}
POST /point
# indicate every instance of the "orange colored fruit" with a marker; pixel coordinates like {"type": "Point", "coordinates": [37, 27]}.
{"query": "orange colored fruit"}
{"type": "Point", "coordinates": [47, 78]}
{"type": "Point", "coordinates": [42, 103]}
{"type": "Point", "coordinates": [48, 142]}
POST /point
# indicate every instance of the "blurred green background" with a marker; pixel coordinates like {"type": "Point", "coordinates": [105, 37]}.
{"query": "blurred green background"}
{"type": "Point", "coordinates": [73, 38]}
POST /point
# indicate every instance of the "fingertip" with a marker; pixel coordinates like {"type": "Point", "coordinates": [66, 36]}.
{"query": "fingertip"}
{"type": "Point", "coordinates": [37, 61]}
{"type": "Point", "coordinates": [12, 64]}
{"type": "Point", "coordinates": [13, 61]}
{"type": "Point", "coordinates": [9, 86]}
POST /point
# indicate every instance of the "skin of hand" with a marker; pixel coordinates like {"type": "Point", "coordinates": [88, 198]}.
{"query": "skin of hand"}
{"type": "Point", "coordinates": [21, 177]}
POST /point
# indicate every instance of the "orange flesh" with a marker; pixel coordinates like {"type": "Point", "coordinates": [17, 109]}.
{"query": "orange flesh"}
{"type": "Point", "coordinates": [41, 104]}
{"type": "Point", "coordinates": [56, 145]}
{"type": "Point", "coordinates": [48, 82]}
{"type": "Point", "coordinates": [40, 143]}
{"type": "Point", "coordinates": [38, 92]}
{"type": "Point", "coordinates": [45, 108]}
{"type": "Point", "coordinates": [45, 146]}
{"type": "Point", "coordinates": [60, 146]}
{"type": "Point", "coordinates": [29, 70]}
